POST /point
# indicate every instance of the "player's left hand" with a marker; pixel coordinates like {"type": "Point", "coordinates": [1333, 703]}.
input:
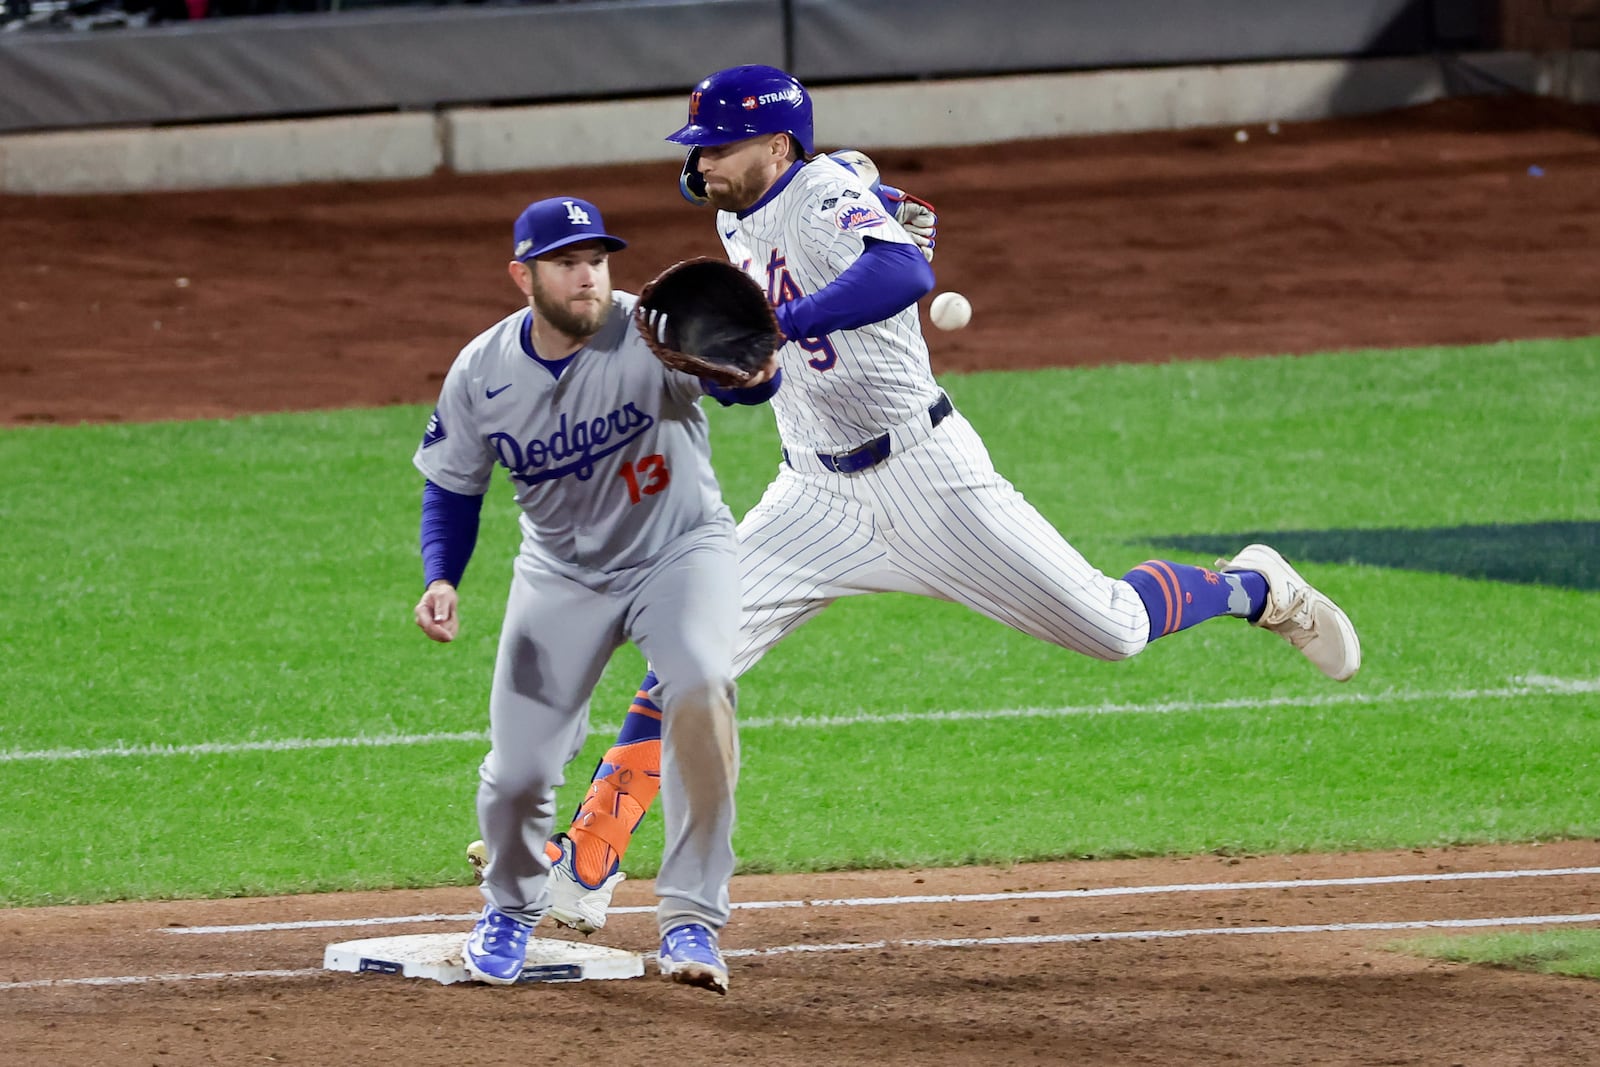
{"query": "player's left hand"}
{"type": "Point", "coordinates": [915, 214]}
{"type": "Point", "coordinates": [436, 612]}
{"type": "Point", "coordinates": [918, 217]}
{"type": "Point", "coordinates": [708, 318]}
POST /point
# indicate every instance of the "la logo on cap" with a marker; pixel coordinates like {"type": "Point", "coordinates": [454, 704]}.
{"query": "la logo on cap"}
{"type": "Point", "coordinates": [556, 222]}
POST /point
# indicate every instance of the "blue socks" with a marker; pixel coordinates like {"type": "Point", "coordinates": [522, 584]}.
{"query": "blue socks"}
{"type": "Point", "coordinates": [643, 721]}
{"type": "Point", "coordinates": [1177, 596]}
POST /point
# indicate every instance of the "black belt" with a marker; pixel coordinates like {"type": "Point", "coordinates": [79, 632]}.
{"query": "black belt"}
{"type": "Point", "coordinates": [876, 450]}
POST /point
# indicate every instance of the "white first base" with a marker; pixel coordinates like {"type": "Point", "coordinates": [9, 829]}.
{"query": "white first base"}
{"type": "Point", "coordinates": [438, 956]}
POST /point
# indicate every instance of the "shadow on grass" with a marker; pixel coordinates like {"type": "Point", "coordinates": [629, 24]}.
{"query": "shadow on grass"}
{"type": "Point", "coordinates": [1563, 554]}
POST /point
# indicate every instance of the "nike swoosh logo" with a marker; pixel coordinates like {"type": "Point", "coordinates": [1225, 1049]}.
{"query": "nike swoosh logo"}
{"type": "Point", "coordinates": [730, 233]}
{"type": "Point", "coordinates": [492, 393]}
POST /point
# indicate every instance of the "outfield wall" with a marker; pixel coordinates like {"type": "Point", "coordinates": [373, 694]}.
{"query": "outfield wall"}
{"type": "Point", "coordinates": [896, 114]}
{"type": "Point", "coordinates": [433, 57]}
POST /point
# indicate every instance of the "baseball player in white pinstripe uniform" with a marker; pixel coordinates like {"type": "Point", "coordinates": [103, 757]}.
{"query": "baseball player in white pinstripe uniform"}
{"type": "Point", "coordinates": [884, 486]}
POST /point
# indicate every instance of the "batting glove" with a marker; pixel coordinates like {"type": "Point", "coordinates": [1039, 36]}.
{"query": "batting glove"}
{"type": "Point", "coordinates": [918, 217]}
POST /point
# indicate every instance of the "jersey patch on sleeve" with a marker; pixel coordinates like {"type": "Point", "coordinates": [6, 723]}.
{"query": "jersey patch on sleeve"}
{"type": "Point", "coordinates": [858, 216]}
{"type": "Point", "coordinates": [435, 431]}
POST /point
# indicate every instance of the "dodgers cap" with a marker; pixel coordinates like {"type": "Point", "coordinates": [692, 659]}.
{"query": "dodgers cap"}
{"type": "Point", "coordinates": [546, 225]}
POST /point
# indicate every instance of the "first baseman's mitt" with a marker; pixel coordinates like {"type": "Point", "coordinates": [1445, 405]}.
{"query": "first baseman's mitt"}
{"type": "Point", "coordinates": [708, 318]}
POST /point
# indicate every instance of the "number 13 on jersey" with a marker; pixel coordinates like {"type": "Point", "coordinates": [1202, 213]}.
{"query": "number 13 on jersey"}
{"type": "Point", "coordinates": [646, 477]}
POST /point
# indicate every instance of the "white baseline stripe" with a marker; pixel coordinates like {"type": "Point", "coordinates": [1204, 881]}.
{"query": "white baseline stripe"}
{"type": "Point", "coordinates": [227, 748]}
{"type": "Point", "coordinates": [1144, 935]}
{"type": "Point", "coordinates": [1535, 685]}
{"type": "Point", "coordinates": [146, 979]}
{"type": "Point", "coordinates": [1182, 887]}
{"type": "Point", "coordinates": [324, 924]}
{"type": "Point", "coordinates": [961, 898]}
{"type": "Point", "coordinates": [957, 942]}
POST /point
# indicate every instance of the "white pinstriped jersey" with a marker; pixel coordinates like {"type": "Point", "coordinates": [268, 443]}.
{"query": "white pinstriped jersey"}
{"type": "Point", "coordinates": [847, 388]}
{"type": "Point", "coordinates": [933, 518]}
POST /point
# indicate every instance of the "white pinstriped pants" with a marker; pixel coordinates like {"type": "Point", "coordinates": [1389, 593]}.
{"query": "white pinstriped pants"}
{"type": "Point", "coordinates": [937, 520]}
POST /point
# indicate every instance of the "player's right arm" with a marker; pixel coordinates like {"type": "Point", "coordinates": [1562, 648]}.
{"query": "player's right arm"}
{"type": "Point", "coordinates": [457, 465]}
{"type": "Point", "coordinates": [449, 534]}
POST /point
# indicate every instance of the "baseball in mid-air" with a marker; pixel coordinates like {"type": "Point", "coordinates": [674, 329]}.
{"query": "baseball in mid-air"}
{"type": "Point", "coordinates": [950, 311]}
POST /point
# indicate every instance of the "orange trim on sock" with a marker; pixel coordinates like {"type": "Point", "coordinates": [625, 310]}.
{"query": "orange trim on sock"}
{"type": "Point", "coordinates": [638, 707]}
{"type": "Point", "coordinates": [1166, 593]}
{"type": "Point", "coordinates": [1177, 594]}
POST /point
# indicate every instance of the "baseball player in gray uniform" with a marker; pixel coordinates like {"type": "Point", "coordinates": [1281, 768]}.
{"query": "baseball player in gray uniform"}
{"type": "Point", "coordinates": [884, 486]}
{"type": "Point", "coordinates": [624, 537]}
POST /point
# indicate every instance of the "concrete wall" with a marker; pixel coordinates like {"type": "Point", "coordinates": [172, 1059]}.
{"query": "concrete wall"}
{"type": "Point", "coordinates": [961, 111]}
{"type": "Point", "coordinates": [283, 66]}
{"type": "Point", "coordinates": [237, 154]}
{"type": "Point", "coordinates": [427, 58]}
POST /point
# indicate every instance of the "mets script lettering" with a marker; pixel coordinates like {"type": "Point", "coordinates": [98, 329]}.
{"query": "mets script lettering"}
{"type": "Point", "coordinates": [782, 288]}
{"type": "Point", "coordinates": [572, 449]}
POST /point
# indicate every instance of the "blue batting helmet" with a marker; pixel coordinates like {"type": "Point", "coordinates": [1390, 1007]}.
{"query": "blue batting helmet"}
{"type": "Point", "coordinates": [743, 102]}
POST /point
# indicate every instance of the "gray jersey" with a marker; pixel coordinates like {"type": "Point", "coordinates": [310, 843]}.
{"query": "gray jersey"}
{"type": "Point", "coordinates": [852, 385]}
{"type": "Point", "coordinates": [610, 460]}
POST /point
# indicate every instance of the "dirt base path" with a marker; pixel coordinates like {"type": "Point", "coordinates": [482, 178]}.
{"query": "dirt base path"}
{"type": "Point", "coordinates": [1461, 222]}
{"type": "Point", "coordinates": [1129, 977]}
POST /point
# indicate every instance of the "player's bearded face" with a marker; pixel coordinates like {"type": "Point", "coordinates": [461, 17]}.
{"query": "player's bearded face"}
{"type": "Point", "coordinates": [738, 174]}
{"type": "Point", "coordinates": [571, 289]}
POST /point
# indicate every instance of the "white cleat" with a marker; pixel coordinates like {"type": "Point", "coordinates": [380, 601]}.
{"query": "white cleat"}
{"type": "Point", "coordinates": [574, 904]}
{"type": "Point", "coordinates": [1299, 614]}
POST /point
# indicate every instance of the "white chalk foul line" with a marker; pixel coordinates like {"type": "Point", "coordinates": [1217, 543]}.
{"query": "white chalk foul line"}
{"type": "Point", "coordinates": [1533, 685]}
{"type": "Point", "coordinates": [325, 924]}
{"type": "Point", "coordinates": [229, 748]}
{"type": "Point", "coordinates": [955, 898]}
{"type": "Point", "coordinates": [149, 979]}
{"type": "Point", "coordinates": [918, 942]}
{"type": "Point", "coordinates": [1149, 935]}
{"type": "Point", "coordinates": [1181, 887]}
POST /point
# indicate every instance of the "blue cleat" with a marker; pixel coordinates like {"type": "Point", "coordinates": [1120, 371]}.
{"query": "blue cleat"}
{"type": "Point", "coordinates": [689, 955]}
{"type": "Point", "coordinates": [497, 947]}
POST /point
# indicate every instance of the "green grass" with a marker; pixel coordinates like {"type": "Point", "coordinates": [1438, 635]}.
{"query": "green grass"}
{"type": "Point", "coordinates": [251, 580]}
{"type": "Point", "coordinates": [1570, 952]}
